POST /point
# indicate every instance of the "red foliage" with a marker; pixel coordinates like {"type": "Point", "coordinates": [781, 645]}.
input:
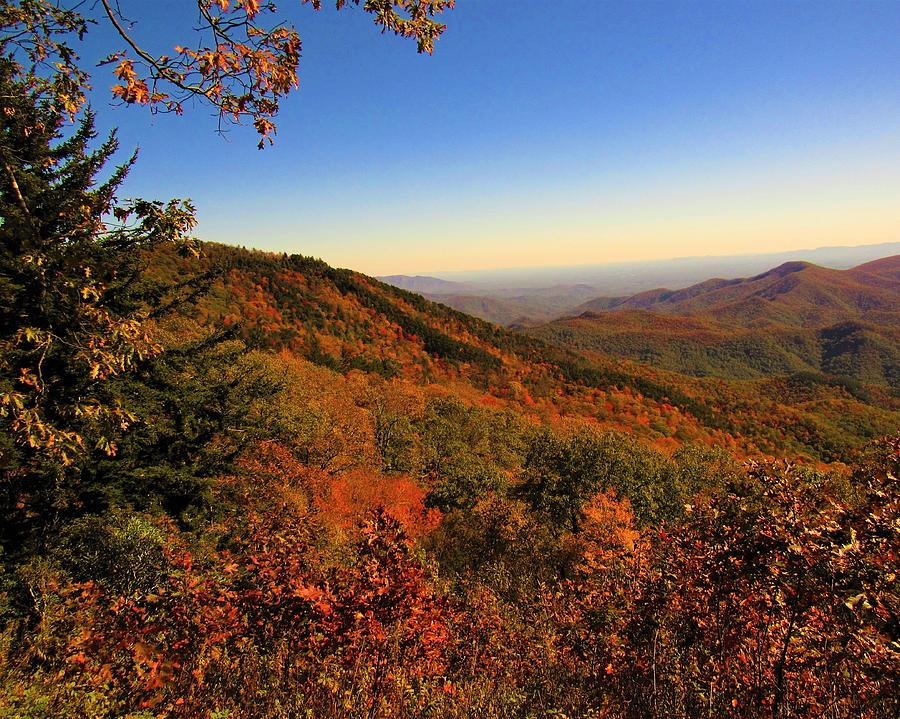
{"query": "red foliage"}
{"type": "Point", "coordinates": [775, 600]}
{"type": "Point", "coordinates": [261, 614]}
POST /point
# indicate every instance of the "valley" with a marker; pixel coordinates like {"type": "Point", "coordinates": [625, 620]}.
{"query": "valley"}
{"type": "Point", "coordinates": [240, 481]}
{"type": "Point", "coordinates": [527, 297]}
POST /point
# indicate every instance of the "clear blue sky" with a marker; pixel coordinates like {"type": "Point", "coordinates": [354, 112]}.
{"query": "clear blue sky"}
{"type": "Point", "coordinates": [552, 133]}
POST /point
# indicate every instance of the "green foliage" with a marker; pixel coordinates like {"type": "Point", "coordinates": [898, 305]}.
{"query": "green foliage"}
{"type": "Point", "coordinates": [124, 553]}
{"type": "Point", "coordinates": [197, 405]}
{"type": "Point", "coordinates": [499, 543]}
{"type": "Point", "coordinates": [73, 303]}
{"type": "Point", "coordinates": [466, 453]}
{"type": "Point", "coordinates": [76, 308]}
{"type": "Point", "coordinates": [562, 474]}
{"type": "Point", "coordinates": [703, 471]}
{"type": "Point", "coordinates": [95, 410]}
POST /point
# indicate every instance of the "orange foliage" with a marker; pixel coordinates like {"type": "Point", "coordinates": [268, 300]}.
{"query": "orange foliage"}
{"type": "Point", "coordinates": [347, 498]}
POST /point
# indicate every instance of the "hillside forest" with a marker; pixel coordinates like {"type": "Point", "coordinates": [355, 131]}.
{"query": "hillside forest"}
{"type": "Point", "coordinates": [238, 484]}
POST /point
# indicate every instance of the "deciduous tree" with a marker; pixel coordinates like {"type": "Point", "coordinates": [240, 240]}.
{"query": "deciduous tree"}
{"type": "Point", "coordinates": [239, 57]}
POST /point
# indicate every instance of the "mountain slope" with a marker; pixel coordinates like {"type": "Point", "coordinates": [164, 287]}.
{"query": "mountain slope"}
{"type": "Point", "coordinates": [794, 293]}
{"type": "Point", "coordinates": [698, 346]}
{"type": "Point", "coordinates": [796, 317]}
{"type": "Point", "coordinates": [886, 267]}
{"type": "Point", "coordinates": [349, 322]}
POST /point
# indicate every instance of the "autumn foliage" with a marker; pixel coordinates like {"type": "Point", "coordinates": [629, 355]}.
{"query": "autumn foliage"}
{"type": "Point", "coordinates": [240, 57]}
{"type": "Point", "coordinates": [237, 484]}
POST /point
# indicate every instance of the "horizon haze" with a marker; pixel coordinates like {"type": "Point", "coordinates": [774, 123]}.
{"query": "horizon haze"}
{"type": "Point", "coordinates": [833, 256]}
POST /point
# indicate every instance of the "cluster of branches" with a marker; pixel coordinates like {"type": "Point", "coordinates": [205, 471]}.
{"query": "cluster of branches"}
{"type": "Point", "coordinates": [241, 59]}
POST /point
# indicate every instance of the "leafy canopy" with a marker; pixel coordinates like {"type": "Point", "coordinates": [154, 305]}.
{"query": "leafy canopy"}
{"type": "Point", "coordinates": [73, 303]}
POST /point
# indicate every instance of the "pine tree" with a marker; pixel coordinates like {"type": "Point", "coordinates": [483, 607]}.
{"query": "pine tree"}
{"type": "Point", "coordinates": [75, 300]}
{"type": "Point", "coordinates": [74, 307]}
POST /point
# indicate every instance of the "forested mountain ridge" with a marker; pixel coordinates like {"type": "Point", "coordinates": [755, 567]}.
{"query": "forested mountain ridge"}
{"type": "Point", "coordinates": [795, 318]}
{"type": "Point", "coordinates": [238, 485]}
{"type": "Point", "coordinates": [794, 293]}
{"type": "Point", "coordinates": [346, 321]}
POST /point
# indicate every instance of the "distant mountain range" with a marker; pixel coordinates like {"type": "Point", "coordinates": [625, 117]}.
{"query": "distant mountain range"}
{"type": "Point", "coordinates": [795, 317]}
{"type": "Point", "coordinates": [422, 284]}
{"type": "Point", "coordinates": [530, 297]}
{"type": "Point", "coordinates": [797, 293]}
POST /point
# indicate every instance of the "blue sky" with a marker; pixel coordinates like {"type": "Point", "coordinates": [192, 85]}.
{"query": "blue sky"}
{"type": "Point", "coordinates": [551, 133]}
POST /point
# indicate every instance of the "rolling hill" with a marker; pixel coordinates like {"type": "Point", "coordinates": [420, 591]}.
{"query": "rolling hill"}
{"type": "Point", "coordinates": [424, 284]}
{"type": "Point", "coordinates": [524, 297]}
{"type": "Point", "coordinates": [794, 293]}
{"type": "Point", "coordinates": [796, 317]}
{"type": "Point", "coordinates": [348, 322]}
{"type": "Point", "coordinates": [510, 306]}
